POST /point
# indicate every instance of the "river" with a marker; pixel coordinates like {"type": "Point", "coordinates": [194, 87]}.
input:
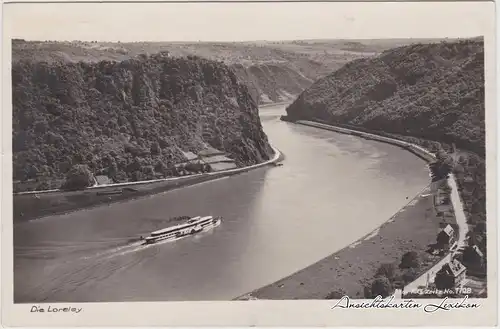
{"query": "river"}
{"type": "Point", "coordinates": [332, 190]}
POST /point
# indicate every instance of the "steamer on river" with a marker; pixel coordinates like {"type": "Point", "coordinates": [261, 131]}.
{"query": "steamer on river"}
{"type": "Point", "coordinates": [192, 226]}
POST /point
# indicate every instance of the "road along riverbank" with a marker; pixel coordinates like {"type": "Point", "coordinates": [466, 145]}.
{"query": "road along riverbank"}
{"type": "Point", "coordinates": [37, 204]}
{"type": "Point", "coordinates": [460, 220]}
{"type": "Point", "coordinates": [348, 271]}
{"type": "Point", "coordinates": [463, 228]}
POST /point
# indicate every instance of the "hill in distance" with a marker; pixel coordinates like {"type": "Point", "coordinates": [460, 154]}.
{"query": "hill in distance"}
{"type": "Point", "coordinates": [428, 94]}
{"type": "Point", "coordinates": [274, 71]}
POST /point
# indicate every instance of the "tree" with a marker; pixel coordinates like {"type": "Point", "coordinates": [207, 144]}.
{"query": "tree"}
{"type": "Point", "coordinates": [367, 291]}
{"type": "Point", "coordinates": [444, 280]}
{"type": "Point", "coordinates": [31, 171]}
{"type": "Point", "coordinates": [409, 275]}
{"type": "Point", "coordinates": [78, 178]}
{"type": "Point", "coordinates": [155, 148]}
{"type": "Point", "coordinates": [336, 294]}
{"type": "Point", "coordinates": [381, 286]}
{"type": "Point", "coordinates": [120, 177]}
{"type": "Point", "coordinates": [410, 260]}
{"type": "Point", "coordinates": [112, 168]}
{"type": "Point", "coordinates": [43, 185]}
{"type": "Point", "coordinates": [387, 270]}
{"type": "Point", "coordinates": [480, 227]}
{"type": "Point", "coordinates": [160, 167]}
{"type": "Point", "coordinates": [148, 172]}
{"type": "Point", "coordinates": [174, 171]}
{"type": "Point", "coordinates": [194, 167]}
{"type": "Point", "coordinates": [471, 257]}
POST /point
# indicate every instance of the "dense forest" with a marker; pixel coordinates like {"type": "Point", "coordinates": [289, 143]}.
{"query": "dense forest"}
{"type": "Point", "coordinates": [429, 94]}
{"type": "Point", "coordinates": [131, 120]}
{"type": "Point", "coordinates": [433, 91]}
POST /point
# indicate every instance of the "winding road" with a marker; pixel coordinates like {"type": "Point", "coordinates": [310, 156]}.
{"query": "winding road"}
{"type": "Point", "coordinates": [463, 229]}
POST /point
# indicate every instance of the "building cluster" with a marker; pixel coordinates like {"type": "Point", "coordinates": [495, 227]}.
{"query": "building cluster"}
{"type": "Point", "coordinates": [464, 260]}
{"type": "Point", "coordinates": [210, 158]}
{"type": "Point", "coordinates": [455, 265]}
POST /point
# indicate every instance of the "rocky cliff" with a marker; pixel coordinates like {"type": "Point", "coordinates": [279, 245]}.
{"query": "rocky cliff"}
{"type": "Point", "coordinates": [273, 71]}
{"type": "Point", "coordinates": [272, 83]}
{"type": "Point", "coordinates": [131, 119]}
{"type": "Point", "coordinates": [431, 91]}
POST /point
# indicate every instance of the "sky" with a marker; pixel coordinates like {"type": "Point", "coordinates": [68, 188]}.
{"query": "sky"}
{"type": "Point", "coordinates": [246, 21]}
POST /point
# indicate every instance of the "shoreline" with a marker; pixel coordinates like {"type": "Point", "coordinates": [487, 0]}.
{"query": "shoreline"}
{"type": "Point", "coordinates": [275, 158]}
{"type": "Point", "coordinates": [352, 267]}
{"type": "Point", "coordinates": [151, 181]}
{"type": "Point", "coordinates": [275, 104]}
{"type": "Point", "coordinates": [334, 273]}
{"type": "Point", "coordinates": [59, 202]}
{"type": "Point", "coordinates": [418, 151]}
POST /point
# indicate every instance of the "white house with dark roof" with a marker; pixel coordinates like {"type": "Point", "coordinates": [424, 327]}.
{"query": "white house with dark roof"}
{"type": "Point", "coordinates": [457, 270]}
{"type": "Point", "coordinates": [103, 180]}
{"type": "Point", "coordinates": [446, 236]}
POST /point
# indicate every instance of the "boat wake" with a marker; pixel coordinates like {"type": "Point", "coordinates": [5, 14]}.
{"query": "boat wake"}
{"type": "Point", "coordinates": [193, 226]}
{"type": "Point", "coordinates": [138, 244]}
{"type": "Point", "coordinates": [70, 266]}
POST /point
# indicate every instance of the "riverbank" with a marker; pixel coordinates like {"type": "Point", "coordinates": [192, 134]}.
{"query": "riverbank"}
{"type": "Point", "coordinates": [347, 272]}
{"type": "Point", "coordinates": [415, 149]}
{"type": "Point", "coordinates": [34, 205]}
{"type": "Point", "coordinates": [287, 102]}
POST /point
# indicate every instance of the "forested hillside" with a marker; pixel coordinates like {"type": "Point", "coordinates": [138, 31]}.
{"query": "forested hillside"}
{"type": "Point", "coordinates": [131, 120]}
{"type": "Point", "coordinates": [433, 91]}
{"type": "Point", "coordinates": [430, 94]}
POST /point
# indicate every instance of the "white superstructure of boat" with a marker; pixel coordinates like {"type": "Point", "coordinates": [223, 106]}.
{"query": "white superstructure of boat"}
{"type": "Point", "coordinates": [192, 226]}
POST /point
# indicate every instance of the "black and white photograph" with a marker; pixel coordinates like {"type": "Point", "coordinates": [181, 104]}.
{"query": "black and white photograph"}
{"type": "Point", "coordinates": [173, 155]}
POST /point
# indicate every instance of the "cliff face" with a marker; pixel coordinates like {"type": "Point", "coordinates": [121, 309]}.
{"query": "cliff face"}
{"type": "Point", "coordinates": [273, 71]}
{"type": "Point", "coordinates": [130, 119]}
{"type": "Point", "coordinates": [430, 91]}
{"type": "Point", "coordinates": [271, 83]}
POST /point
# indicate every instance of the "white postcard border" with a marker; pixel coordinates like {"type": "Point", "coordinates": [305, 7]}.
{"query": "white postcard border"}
{"type": "Point", "coordinates": [258, 313]}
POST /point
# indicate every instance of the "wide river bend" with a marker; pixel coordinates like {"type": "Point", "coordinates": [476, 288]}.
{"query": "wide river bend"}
{"type": "Point", "coordinates": [332, 190]}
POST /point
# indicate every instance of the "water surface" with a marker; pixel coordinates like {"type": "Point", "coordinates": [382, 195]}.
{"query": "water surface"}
{"type": "Point", "coordinates": [332, 190]}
